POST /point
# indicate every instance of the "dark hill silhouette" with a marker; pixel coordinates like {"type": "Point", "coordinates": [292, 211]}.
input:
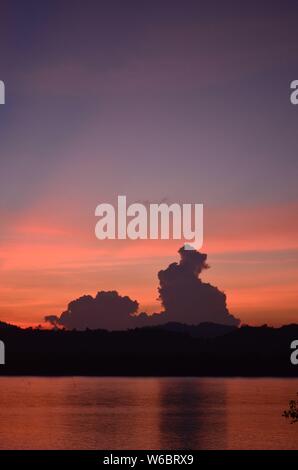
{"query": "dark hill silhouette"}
{"type": "Point", "coordinates": [203, 330]}
{"type": "Point", "coordinates": [4, 325]}
{"type": "Point", "coordinates": [156, 351]}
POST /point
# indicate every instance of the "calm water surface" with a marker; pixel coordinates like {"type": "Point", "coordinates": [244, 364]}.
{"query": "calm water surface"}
{"type": "Point", "coordinates": [146, 413]}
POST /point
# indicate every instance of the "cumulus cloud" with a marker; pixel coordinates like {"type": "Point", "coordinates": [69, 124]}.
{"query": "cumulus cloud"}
{"type": "Point", "coordinates": [108, 310]}
{"type": "Point", "coordinates": [184, 297]}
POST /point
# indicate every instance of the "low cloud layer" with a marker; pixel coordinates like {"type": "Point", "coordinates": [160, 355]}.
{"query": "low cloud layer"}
{"type": "Point", "coordinates": [183, 295]}
{"type": "Point", "coordinates": [108, 310]}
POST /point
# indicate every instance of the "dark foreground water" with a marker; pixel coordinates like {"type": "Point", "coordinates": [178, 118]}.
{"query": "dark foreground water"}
{"type": "Point", "coordinates": [146, 413]}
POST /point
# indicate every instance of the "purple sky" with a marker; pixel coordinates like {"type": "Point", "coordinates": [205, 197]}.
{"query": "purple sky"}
{"type": "Point", "coordinates": [183, 101]}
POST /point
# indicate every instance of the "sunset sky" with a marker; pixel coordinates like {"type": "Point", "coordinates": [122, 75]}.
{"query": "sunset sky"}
{"type": "Point", "coordinates": [159, 101]}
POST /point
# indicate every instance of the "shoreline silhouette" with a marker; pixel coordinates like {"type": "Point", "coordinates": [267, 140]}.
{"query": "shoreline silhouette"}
{"type": "Point", "coordinates": [168, 350]}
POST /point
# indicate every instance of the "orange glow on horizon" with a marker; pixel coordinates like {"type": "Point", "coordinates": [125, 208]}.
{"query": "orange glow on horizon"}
{"type": "Point", "coordinates": [44, 266]}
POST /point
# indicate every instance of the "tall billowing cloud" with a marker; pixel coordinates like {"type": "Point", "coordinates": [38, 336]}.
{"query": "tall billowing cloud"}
{"type": "Point", "coordinates": [186, 298]}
